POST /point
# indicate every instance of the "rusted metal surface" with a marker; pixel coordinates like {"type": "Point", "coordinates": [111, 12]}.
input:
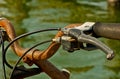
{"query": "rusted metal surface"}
{"type": "Point", "coordinates": [41, 61]}
{"type": "Point", "coordinates": [39, 58]}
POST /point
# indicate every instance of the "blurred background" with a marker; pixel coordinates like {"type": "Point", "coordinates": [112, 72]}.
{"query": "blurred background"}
{"type": "Point", "coordinates": [30, 15]}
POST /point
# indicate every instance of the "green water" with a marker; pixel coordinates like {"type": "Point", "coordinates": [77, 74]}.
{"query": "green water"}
{"type": "Point", "coordinates": [29, 15]}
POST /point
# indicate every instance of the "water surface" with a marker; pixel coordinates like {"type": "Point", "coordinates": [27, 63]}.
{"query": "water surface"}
{"type": "Point", "coordinates": [29, 15]}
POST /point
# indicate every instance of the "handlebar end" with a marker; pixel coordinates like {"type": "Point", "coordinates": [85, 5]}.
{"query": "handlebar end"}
{"type": "Point", "coordinates": [110, 56]}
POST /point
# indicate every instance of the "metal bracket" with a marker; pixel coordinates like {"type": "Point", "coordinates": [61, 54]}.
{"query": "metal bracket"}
{"type": "Point", "coordinates": [87, 26]}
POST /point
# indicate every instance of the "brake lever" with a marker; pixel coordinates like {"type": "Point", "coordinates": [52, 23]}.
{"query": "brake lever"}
{"type": "Point", "coordinates": [97, 43]}
{"type": "Point", "coordinates": [78, 33]}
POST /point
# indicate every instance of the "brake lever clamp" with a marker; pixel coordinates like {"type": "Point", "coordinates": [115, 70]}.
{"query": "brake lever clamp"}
{"type": "Point", "coordinates": [87, 26]}
{"type": "Point", "coordinates": [70, 44]}
{"type": "Point", "coordinates": [78, 33]}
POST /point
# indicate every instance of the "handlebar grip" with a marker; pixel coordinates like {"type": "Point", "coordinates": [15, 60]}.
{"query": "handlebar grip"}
{"type": "Point", "coordinates": [108, 30]}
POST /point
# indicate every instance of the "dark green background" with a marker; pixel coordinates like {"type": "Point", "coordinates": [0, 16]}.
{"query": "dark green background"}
{"type": "Point", "coordinates": [29, 15]}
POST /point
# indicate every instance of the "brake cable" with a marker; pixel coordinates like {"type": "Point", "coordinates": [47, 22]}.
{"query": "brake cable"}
{"type": "Point", "coordinates": [75, 33]}
{"type": "Point", "coordinates": [21, 36]}
{"type": "Point", "coordinates": [3, 62]}
{"type": "Point", "coordinates": [25, 54]}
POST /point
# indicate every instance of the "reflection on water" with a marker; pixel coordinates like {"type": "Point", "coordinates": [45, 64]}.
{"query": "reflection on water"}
{"type": "Point", "coordinates": [27, 15]}
{"type": "Point", "coordinates": [78, 70]}
{"type": "Point", "coordinates": [113, 11]}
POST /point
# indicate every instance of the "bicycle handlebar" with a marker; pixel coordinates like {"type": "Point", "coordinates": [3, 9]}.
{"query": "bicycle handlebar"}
{"type": "Point", "coordinates": [39, 58]}
{"type": "Point", "coordinates": [107, 30]}
{"type": "Point", "coordinates": [34, 56]}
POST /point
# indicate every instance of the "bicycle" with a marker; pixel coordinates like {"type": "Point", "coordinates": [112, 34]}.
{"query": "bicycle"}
{"type": "Point", "coordinates": [72, 37]}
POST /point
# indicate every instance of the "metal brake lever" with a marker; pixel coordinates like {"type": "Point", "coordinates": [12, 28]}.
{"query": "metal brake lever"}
{"type": "Point", "coordinates": [81, 37]}
{"type": "Point", "coordinates": [97, 43]}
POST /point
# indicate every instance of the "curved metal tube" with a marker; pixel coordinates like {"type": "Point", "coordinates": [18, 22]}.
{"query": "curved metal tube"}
{"type": "Point", "coordinates": [39, 57]}
{"type": "Point", "coordinates": [45, 65]}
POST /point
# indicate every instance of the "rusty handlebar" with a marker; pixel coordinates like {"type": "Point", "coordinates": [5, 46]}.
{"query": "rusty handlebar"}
{"type": "Point", "coordinates": [35, 56]}
{"type": "Point", "coordinates": [39, 58]}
